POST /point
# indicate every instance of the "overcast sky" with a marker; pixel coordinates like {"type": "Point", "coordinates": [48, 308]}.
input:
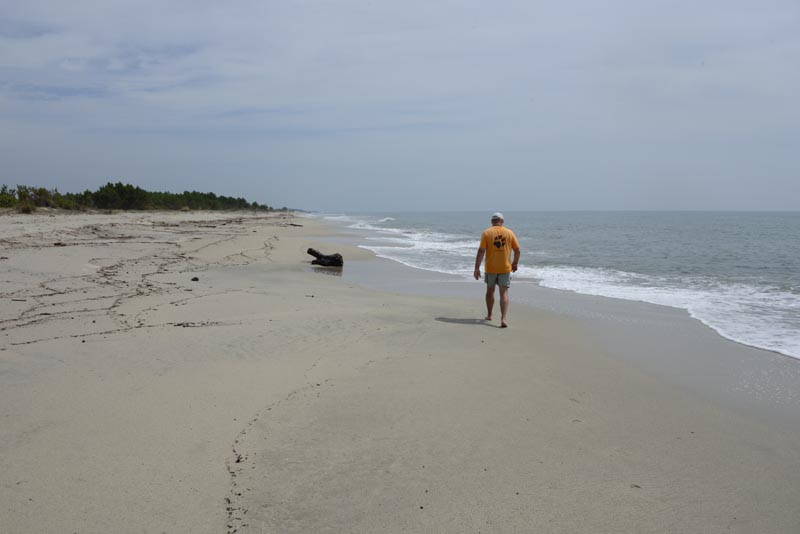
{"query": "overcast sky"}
{"type": "Point", "coordinates": [409, 105]}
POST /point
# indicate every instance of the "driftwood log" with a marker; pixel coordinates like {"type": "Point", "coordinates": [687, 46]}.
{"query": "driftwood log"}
{"type": "Point", "coordinates": [333, 260]}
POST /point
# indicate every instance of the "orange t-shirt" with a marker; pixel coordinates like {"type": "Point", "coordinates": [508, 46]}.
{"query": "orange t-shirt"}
{"type": "Point", "coordinates": [498, 241]}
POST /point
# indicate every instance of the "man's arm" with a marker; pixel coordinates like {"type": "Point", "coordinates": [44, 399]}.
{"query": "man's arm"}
{"type": "Point", "coordinates": [516, 260]}
{"type": "Point", "coordinates": [478, 261]}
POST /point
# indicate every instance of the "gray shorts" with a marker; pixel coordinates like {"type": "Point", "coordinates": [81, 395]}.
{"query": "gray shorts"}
{"type": "Point", "coordinates": [503, 279]}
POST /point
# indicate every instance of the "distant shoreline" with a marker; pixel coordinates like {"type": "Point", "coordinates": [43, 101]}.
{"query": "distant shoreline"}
{"type": "Point", "coordinates": [120, 196]}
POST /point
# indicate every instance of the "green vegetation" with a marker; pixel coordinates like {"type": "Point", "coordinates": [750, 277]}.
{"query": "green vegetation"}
{"type": "Point", "coordinates": [120, 196]}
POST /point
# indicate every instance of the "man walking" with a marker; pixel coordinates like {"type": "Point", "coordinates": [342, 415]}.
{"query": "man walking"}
{"type": "Point", "coordinates": [497, 242]}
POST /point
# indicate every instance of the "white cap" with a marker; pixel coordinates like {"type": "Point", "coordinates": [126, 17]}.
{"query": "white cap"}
{"type": "Point", "coordinates": [498, 215]}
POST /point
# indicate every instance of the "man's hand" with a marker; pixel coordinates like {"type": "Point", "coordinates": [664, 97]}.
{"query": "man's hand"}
{"type": "Point", "coordinates": [514, 267]}
{"type": "Point", "coordinates": [478, 262]}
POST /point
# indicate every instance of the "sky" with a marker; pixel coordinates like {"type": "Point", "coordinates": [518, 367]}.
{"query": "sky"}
{"type": "Point", "coordinates": [365, 105]}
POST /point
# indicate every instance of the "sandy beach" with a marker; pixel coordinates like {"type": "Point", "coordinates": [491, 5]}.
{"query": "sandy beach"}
{"type": "Point", "coordinates": [192, 372]}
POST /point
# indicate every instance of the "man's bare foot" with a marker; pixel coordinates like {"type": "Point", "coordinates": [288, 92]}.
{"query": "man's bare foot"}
{"type": "Point", "coordinates": [487, 318]}
{"type": "Point", "coordinates": [503, 324]}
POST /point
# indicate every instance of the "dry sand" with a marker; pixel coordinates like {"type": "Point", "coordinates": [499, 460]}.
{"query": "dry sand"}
{"type": "Point", "coordinates": [269, 396]}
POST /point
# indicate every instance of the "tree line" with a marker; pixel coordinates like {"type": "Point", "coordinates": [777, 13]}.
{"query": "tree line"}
{"type": "Point", "coordinates": [119, 196]}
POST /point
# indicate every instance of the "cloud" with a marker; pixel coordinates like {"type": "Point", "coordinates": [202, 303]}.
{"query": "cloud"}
{"type": "Point", "coordinates": [44, 92]}
{"type": "Point", "coordinates": [18, 29]}
{"type": "Point", "coordinates": [615, 96]}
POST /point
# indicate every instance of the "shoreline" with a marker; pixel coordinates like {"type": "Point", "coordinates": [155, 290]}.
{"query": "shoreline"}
{"type": "Point", "coordinates": [270, 396]}
{"type": "Point", "coordinates": [769, 378]}
{"type": "Point", "coordinates": [763, 382]}
{"type": "Point", "coordinates": [734, 314]}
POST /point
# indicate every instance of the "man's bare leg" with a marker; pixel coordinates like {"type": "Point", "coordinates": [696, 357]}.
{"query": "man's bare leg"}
{"type": "Point", "coordinates": [489, 302]}
{"type": "Point", "coordinates": [503, 306]}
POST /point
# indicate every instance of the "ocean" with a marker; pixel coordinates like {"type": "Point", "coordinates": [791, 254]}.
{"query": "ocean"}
{"type": "Point", "coordinates": [737, 272]}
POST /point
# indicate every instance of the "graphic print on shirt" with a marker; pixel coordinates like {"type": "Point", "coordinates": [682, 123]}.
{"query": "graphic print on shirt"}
{"type": "Point", "coordinates": [499, 241]}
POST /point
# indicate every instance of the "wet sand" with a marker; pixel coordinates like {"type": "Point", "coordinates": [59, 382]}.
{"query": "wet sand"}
{"type": "Point", "coordinates": [269, 396]}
